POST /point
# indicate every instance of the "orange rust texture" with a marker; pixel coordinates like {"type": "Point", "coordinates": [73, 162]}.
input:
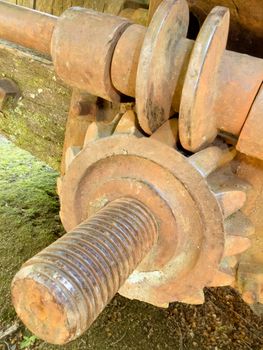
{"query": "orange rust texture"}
{"type": "Point", "coordinates": [251, 264]}
{"type": "Point", "coordinates": [39, 310]}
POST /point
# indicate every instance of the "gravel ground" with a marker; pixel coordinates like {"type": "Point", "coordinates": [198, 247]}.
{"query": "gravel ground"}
{"type": "Point", "coordinates": [29, 221]}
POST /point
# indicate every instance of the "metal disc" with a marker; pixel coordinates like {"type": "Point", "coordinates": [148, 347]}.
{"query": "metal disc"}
{"type": "Point", "coordinates": [157, 75]}
{"type": "Point", "coordinates": [197, 124]}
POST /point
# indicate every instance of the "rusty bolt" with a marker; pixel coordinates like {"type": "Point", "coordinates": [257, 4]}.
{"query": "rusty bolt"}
{"type": "Point", "coordinates": [84, 109]}
{"type": "Point", "coordinates": [61, 291]}
{"type": "Point", "coordinates": [8, 89]}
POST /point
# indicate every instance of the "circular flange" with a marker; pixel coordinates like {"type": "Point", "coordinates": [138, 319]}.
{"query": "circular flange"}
{"type": "Point", "coordinates": [164, 180]}
{"type": "Point", "coordinates": [157, 73]}
{"type": "Point", "coordinates": [197, 127]}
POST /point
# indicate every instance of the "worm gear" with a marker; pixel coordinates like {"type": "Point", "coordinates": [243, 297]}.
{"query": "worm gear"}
{"type": "Point", "coordinates": [196, 201]}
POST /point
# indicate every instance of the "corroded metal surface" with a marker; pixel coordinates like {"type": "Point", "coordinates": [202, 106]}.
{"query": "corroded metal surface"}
{"type": "Point", "coordinates": [125, 59]}
{"type": "Point", "coordinates": [250, 269]}
{"type": "Point", "coordinates": [122, 189]}
{"type": "Point", "coordinates": [82, 47]}
{"type": "Point", "coordinates": [110, 67]}
{"type": "Point", "coordinates": [197, 126]}
{"type": "Point", "coordinates": [26, 27]}
{"type": "Point", "coordinates": [157, 74]}
{"type": "Point", "coordinates": [61, 291]}
{"type": "Point", "coordinates": [123, 165]}
{"type": "Point", "coordinates": [250, 140]}
{"type": "Point", "coordinates": [240, 73]}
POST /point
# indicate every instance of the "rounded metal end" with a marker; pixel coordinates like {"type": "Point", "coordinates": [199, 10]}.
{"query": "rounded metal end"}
{"type": "Point", "coordinates": [44, 307]}
{"type": "Point", "coordinates": [60, 291]}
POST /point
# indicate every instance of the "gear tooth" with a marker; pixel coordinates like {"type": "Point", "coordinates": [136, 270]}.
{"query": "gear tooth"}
{"type": "Point", "coordinates": [167, 133]}
{"type": "Point", "coordinates": [239, 225]}
{"type": "Point", "coordinates": [230, 201]}
{"type": "Point", "coordinates": [224, 180]}
{"type": "Point", "coordinates": [92, 133]}
{"type": "Point", "coordinates": [195, 298]}
{"type": "Point", "coordinates": [236, 245]}
{"type": "Point", "coordinates": [210, 159]}
{"type": "Point", "coordinates": [70, 155]}
{"type": "Point", "coordinates": [128, 124]}
{"type": "Point", "coordinates": [222, 279]}
{"type": "Point", "coordinates": [225, 275]}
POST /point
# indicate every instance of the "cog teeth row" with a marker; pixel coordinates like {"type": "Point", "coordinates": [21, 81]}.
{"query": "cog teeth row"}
{"type": "Point", "coordinates": [239, 225]}
{"type": "Point", "coordinates": [128, 125]}
{"type": "Point", "coordinates": [230, 201]}
{"type": "Point", "coordinates": [210, 159]}
{"type": "Point", "coordinates": [167, 133]}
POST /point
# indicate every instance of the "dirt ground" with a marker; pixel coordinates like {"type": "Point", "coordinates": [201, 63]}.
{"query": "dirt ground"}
{"type": "Point", "coordinates": [29, 221]}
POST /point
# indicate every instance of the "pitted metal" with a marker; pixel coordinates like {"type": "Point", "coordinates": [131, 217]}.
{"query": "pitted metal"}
{"type": "Point", "coordinates": [143, 218]}
{"type": "Point", "coordinates": [236, 84]}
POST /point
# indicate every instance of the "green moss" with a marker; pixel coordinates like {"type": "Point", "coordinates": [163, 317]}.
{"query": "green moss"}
{"type": "Point", "coordinates": [29, 217]}
{"type": "Point", "coordinates": [37, 121]}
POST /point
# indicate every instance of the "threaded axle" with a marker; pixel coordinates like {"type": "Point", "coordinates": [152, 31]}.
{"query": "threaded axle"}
{"type": "Point", "coordinates": [61, 291]}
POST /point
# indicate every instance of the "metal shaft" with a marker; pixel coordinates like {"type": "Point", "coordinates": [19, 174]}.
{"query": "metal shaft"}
{"type": "Point", "coordinates": [26, 27]}
{"type": "Point", "coordinates": [237, 84]}
{"type": "Point", "coordinates": [61, 291]}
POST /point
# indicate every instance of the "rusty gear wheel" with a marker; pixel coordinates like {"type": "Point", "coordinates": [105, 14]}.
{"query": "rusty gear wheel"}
{"type": "Point", "coordinates": [196, 201]}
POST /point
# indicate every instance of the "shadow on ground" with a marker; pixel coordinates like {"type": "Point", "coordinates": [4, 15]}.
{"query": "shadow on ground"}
{"type": "Point", "coordinates": [29, 221]}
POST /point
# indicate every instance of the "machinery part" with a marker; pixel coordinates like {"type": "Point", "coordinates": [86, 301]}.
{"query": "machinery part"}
{"type": "Point", "coordinates": [122, 165]}
{"type": "Point", "coordinates": [229, 112]}
{"type": "Point", "coordinates": [137, 15]}
{"type": "Point", "coordinates": [238, 82]}
{"type": "Point", "coordinates": [197, 125]}
{"type": "Point", "coordinates": [60, 292]}
{"type": "Point", "coordinates": [250, 267]}
{"type": "Point", "coordinates": [84, 109]}
{"type": "Point", "coordinates": [250, 140]}
{"type": "Point", "coordinates": [134, 181]}
{"type": "Point", "coordinates": [91, 74]}
{"type": "Point", "coordinates": [192, 203]}
{"type": "Point", "coordinates": [26, 27]}
{"type": "Point", "coordinates": [8, 89]}
{"type": "Point", "coordinates": [158, 74]}
{"type": "Point", "coordinates": [153, 5]}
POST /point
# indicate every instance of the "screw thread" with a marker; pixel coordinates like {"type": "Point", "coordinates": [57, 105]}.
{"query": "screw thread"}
{"type": "Point", "coordinates": [79, 274]}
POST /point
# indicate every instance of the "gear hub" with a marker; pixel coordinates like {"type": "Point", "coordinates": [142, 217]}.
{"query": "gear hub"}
{"type": "Point", "coordinates": [183, 212]}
